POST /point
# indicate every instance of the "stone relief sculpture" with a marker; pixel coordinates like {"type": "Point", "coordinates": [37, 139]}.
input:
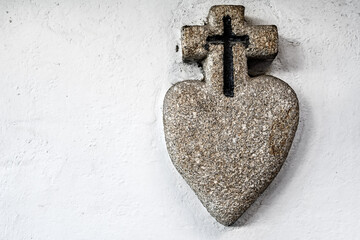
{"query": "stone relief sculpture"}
{"type": "Point", "coordinates": [229, 135]}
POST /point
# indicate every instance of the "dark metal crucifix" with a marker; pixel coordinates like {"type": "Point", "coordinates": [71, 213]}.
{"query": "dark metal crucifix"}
{"type": "Point", "coordinates": [228, 38]}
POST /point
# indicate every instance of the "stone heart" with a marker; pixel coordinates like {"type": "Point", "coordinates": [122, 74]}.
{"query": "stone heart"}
{"type": "Point", "coordinates": [229, 149]}
{"type": "Point", "coordinates": [229, 135]}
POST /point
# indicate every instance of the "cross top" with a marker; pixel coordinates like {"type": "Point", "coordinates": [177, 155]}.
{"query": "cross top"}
{"type": "Point", "coordinates": [227, 27]}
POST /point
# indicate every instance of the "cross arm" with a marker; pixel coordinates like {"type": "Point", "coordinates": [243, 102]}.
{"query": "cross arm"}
{"type": "Point", "coordinates": [193, 43]}
{"type": "Point", "coordinates": [263, 41]}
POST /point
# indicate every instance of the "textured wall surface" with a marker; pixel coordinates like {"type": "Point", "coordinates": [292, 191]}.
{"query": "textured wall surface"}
{"type": "Point", "coordinates": [82, 150]}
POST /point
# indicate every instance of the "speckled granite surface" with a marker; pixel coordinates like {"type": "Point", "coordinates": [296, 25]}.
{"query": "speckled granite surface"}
{"type": "Point", "coordinates": [229, 149]}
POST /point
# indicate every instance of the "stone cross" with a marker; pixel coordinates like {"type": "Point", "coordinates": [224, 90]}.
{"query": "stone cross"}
{"type": "Point", "coordinates": [229, 134]}
{"type": "Point", "coordinates": [259, 42]}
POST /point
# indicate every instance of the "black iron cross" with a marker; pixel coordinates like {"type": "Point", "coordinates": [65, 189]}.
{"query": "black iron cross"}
{"type": "Point", "coordinates": [228, 38]}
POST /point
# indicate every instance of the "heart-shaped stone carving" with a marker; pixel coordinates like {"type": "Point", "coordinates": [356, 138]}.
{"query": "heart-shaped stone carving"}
{"type": "Point", "coordinates": [229, 149]}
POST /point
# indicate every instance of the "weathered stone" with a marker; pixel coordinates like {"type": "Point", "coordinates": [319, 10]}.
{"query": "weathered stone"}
{"type": "Point", "coordinates": [229, 148]}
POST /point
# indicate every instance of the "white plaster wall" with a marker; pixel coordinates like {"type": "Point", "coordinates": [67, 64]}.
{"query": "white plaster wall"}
{"type": "Point", "coordinates": [82, 151]}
